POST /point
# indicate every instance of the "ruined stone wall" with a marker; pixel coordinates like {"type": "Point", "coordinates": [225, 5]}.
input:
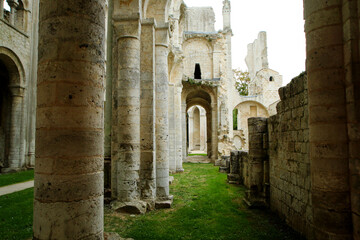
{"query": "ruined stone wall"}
{"type": "Point", "coordinates": [200, 19]}
{"type": "Point", "coordinates": [290, 179]}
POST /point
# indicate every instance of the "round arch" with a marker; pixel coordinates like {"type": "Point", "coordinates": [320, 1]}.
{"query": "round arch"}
{"type": "Point", "coordinates": [14, 67]}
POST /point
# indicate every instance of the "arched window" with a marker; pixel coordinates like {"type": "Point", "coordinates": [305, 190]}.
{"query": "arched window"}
{"type": "Point", "coordinates": [197, 73]}
{"type": "Point", "coordinates": [271, 79]}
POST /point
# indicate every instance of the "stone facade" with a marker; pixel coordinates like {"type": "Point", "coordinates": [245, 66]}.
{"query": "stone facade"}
{"type": "Point", "coordinates": [18, 62]}
{"type": "Point", "coordinates": [262, 91]}
{"type": "Point", "coordinates": [306, 167]}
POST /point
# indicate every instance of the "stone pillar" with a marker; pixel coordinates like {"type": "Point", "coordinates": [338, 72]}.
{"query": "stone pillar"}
{"type": "Point", "coordinates": [147, 113]}
{"type": "Point", "coordinates": [184, 131]}
{"type": "Point", "coordinates": [328, 119]}
{"type": "Point", "coordinates": [214, 133]}
{"type": "Point", "coordinates": [162, 121]}
{"type": "Point", "coordinates": [191, 130]}
{"type": "Point", "coordinates": [208, 133]}
{"type": "Point", "coordinates": [14, 159]}
{"type": "Point", "coordinates": [125, 159]}
{"type": "Point", "coordinates": [255, 196]}
{"type": "Point", "coordinates": [351, 36]}
{"type": "Point", "coordinates": [178, 129]}
{"type": "Point", "coordinates": [203, 132]}
{"type": "Point", "coordinates": [172, 127]}
{"type": "Point", "coordinates": [68, 191]}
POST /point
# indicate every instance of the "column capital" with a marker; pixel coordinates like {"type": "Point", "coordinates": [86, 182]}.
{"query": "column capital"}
{"type": "Point", "coordinates": [149, 21]}
{"type": "Point", "coordinates": [162, 35]}
{"type": "Point", "coordinates": [17, 91]}
{"type": "Point", "coordinates": [127, 26]}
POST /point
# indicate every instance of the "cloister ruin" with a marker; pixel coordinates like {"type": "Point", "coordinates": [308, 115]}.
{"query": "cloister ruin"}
{"type": "Point", "coordinates": [96, 93]}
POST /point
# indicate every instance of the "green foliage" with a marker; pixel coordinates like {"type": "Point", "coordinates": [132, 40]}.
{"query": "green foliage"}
{"type": "Point", "coordinates": [235, 118]}
{"type": "Point", "coordinates": [242, 80]}
{"type": "Point", "coordinates": [16, 215]}
{"type": "Point", "coordinates": [12, 178]}
{"type": "Point", "coordinates": [205, 208]}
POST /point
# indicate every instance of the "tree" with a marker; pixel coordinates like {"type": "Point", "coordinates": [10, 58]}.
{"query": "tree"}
{"type": "Point", "coordinates": [242, 80]}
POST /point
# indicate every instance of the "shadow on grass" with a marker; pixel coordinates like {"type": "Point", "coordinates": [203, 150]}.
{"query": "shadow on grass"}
{"type": "Point", "coordinates": [205, 208]}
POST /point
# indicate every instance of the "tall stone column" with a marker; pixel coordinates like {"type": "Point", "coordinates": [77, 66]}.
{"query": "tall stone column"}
{"type": "Point", "coordinates": [208, 133]}
{"type": "Point", "coordinates": [328, 119]}
{"type": "Point", "coordinates": [147, 113]}
{"type": "Point", "coordinates": [125, 160]}
{"type": "Point", "coordinates": [68, 198]}
{"type": "Point", "coordinates": [14, 159]}
{"type": "Point", "coordinates": [172, 127]}
{"type": "Point", "coordinates": [214, 133]}
{"type": "Point", "coordinates": [184, 130]}
{"type": "Point", "coordinates": [191, 130]}
{"type": "Point", "coordinates": [178, 129]}
{"type": "Point", "coordinates": [162, 121]}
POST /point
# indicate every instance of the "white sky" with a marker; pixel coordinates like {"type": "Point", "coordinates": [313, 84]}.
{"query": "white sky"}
{"type": "Point", "coordinates": [281, 19]}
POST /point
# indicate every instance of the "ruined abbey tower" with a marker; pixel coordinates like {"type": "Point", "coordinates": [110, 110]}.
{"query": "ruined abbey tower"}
{"type": "Point", "coordinates": [98, 91]}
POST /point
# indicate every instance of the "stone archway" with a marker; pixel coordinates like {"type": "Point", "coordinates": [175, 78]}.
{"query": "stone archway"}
{"type": "Point", "coordinates": [204, 96]}
{"type": "Point", "coordinates": [11, 112]}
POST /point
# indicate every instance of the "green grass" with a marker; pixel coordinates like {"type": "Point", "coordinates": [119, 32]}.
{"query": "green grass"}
{"type": "Point", "coordinates": [205, 208]}
{"type": "Point", "coordinates": [16, 215]}
{"type": "Point", "coordinates": [197, 154]}
{"type": "Point", "coordinates": [12, 178]}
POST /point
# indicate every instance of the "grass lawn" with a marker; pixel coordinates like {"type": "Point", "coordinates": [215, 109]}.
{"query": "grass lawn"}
{"type": "Point", "coordinates": [11, 178]}
{"type": "Point", "coordinates": [205, 208]}
{"type": "Point", "coordinates": [16, 215]}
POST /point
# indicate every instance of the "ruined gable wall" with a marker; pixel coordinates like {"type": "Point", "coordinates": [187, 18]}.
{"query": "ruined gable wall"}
{"type": "Point", "coordinates": [200, 19]}
{"type": "Point", "coordinates": [290, 179]}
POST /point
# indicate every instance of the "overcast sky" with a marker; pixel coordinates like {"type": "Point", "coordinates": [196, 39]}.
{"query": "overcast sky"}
{"type": "Point", "coordinates": [281, 19]}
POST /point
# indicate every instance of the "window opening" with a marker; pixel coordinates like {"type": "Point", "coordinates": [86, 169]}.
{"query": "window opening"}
{"type": "Point", "coordinates": [197, 74]}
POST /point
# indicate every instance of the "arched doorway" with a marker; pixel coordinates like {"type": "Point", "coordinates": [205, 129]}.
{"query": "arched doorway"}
{"type": "Point", "coordinates": [11, 112]}
{"type": "Point", "coordinates": [197, 129]}
{"type": "Point", "coordinates": [203, 96]}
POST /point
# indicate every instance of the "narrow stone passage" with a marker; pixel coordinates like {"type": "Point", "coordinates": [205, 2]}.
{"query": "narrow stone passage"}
{"type": "Point", "coordinates": [205, 207]}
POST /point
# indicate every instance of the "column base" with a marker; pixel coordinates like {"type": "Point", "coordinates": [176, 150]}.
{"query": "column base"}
{"type": "Point", "coordinates": [171, 180]}
{"type": "Point", "coordinates": [164, 202]}
{"type": "Point", "coordinates": [11, 170]}
{"type": "Point", "coordinates": [253, 200]}
{"type": "Point", "coordinates": [179, 170]}
{"type": "Point", "coordinates": [134, 207]}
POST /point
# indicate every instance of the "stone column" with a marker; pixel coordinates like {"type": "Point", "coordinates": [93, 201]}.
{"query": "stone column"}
{"type": "Point", "coordinates": [172, 127]}
{"type": "Point", "coordinates": [162, 121]}
{"type": "Point", "coordinates": [351, 36]}
{"type": "Point", "coordinates": [68, 197]}
{"type": "Point", "coordinates": [178, 129]}
{"type": "Point", "coordinates": [191, 130]}
{"type": "Point", "coordinates": [328, 119]}
{"type": "Point", "coordinates": [147, 113]}
{"type": "Point", "coordinates": [184, 131]}
{"type": "Point", "coordinates": [214, 134]}
{"type": "Point", "coordinates": [202, 130]}
{"type": "Point", "coordinates": [125, 160]}
{"type": "Point", "coordinates": [14, 159]}
{"type": "Point", "coordinates": [208, 133]}
{"type": "Point", "coordinates": [257, 129]}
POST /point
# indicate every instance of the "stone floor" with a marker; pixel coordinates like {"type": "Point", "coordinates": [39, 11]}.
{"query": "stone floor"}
{"type": "Point", "coordinates": [198, 159]}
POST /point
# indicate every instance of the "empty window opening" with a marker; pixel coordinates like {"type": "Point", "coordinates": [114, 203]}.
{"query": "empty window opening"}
{"type": "Point", "coordinates": [197, 74]}
{"type": "Point", "coordinates": [271, 79]}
